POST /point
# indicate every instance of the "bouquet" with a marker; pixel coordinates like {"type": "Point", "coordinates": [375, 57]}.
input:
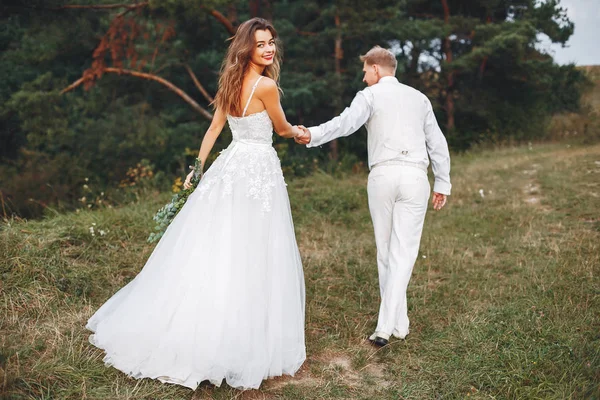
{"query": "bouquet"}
{"type": "Point", "coordinates": [167, 213]}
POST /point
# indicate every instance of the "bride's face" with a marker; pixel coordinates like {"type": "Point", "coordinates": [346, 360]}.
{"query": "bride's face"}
{"type": "Point", "coordinates": [264, 50]}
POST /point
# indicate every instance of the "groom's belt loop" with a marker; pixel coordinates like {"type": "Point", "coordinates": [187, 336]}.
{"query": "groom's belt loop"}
{"type": "Point", "coordinates": [401, 162]}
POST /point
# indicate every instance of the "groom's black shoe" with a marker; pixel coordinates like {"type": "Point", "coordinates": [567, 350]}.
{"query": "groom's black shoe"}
{"type": "Point", "coordinates": [378, 340]}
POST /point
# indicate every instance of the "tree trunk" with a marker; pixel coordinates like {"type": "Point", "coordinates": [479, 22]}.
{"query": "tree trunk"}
{"type": "Point", "coordinates": [254, 6]}
{"type": "Point", "coordinates": [450, 75]}
{"type": "Point", "coordinates": [413, 68]}
{"type": "Point", "coordinates": [261, 8]}
{"type": "Point", "coordinates": [485, 58]}
{"type": "Point", "coordinates": [338, 55]}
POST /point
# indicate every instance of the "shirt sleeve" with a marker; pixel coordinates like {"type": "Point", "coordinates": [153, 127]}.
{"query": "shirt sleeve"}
{"type": "Point", "coordinates": [437, 147]}
{"type": "Point", "coordinates": [348, 122]}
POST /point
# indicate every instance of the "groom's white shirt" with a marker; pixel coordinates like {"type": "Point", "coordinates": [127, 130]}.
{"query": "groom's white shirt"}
{"type": "Point", "coordinates": [401, 127]}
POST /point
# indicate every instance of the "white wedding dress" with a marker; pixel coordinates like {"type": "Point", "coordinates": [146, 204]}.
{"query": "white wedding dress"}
{"type": "Point", "coordinates": [222, 295]}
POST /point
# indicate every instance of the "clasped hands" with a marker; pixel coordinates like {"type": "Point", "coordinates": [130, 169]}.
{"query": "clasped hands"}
{"type": "Point", "coordinates": [303, 137]}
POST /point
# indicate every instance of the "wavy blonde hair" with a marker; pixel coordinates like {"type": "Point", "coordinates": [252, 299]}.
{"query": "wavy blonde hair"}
{"type": "Point", "coordinates": [236, 64]}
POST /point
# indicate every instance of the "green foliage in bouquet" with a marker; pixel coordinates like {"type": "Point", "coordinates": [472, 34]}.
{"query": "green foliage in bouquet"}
{"type": "Point", "coordinates": [167, 213]}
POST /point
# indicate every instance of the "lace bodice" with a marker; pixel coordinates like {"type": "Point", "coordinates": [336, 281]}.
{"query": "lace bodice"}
{"type": "Point", "coordinates": [250, 163]}
{"type": "Point", "coordinates": [255, 128]}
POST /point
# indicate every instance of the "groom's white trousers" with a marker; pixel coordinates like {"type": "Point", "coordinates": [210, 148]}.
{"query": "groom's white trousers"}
{"type": "Point", "coordinates": [398, 197]}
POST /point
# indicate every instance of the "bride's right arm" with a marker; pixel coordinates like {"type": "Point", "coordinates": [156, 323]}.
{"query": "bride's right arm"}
{"type": "Point", "coordinates": [211, 135]}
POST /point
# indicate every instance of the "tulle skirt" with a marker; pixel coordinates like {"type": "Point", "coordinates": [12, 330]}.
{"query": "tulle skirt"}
{"type": "Point", "coordinates": [221, 296]}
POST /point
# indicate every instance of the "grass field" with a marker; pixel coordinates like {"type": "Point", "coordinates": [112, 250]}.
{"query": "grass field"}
{"type": "Point", "coordinates": [504, 300]}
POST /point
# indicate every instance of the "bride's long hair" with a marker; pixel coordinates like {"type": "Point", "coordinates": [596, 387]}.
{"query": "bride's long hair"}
{"type": "Point", "coordinates": [236, 64]}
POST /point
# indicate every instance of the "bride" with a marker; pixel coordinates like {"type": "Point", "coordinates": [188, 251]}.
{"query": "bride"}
{"type": "Point", "coordinates": [222, 295]}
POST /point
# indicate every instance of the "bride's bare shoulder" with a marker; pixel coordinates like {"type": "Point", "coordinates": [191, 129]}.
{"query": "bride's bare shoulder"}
{"type": "Point", "coordinates": [267, 87]}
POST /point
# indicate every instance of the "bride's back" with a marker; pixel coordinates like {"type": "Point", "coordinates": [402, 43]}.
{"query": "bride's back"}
{"type": "Point", "coordinates": [253, 127]}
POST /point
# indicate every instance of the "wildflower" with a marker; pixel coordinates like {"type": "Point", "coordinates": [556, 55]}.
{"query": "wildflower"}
{"type": "Point", "coordinates": [102, 232]}
{"type": "Point", "coordinates": [177, 185]}
{"type": "Point", "coordinates": [92, 231]}
{"type": "Point", "coordinates": [481, 193]}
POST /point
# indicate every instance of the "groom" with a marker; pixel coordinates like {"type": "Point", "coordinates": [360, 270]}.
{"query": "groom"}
{"type": "Point", "coordinates": [403, 135]}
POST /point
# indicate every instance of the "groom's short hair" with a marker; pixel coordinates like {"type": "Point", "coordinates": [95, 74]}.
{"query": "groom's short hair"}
{"type": "Point", "coordinates": [380, 56]}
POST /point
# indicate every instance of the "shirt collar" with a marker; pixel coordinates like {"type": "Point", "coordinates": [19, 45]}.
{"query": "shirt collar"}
{"type": "Point", "coordinates": [388, 79]}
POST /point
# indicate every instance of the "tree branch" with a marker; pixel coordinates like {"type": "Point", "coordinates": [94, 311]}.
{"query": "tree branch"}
{"type": "Point", "coordinates": [73, 85]}
{"type": "Point", "coordinates": [205, 113]}
{"type": "Point", "coordinates": [102, 6]}
{"type": "Point", "coordinates": [223, 20]}
{"type": "Point", "coordinates": [198, 84]}
{"type": "Point", "coordinates": [304, 33]}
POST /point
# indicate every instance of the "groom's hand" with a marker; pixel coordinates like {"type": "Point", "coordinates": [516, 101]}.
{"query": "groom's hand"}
{"type": "Point", "coordinates": [305, 137]}
{"type": "Point", "coordinates": [439, 201]}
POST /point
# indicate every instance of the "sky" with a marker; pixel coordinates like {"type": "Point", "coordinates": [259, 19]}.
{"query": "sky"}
{"type": "Point", "coordinates": [583, 48]}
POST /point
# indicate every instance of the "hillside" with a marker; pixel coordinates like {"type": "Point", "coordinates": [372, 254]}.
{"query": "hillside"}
{"type": "Point", "coordinates": [503, 301]}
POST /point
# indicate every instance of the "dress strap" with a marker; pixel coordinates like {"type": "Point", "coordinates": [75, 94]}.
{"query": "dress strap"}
{"type": "Point", "coordinates": [251, 94]}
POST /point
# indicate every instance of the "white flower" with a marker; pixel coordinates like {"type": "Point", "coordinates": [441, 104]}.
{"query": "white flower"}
{"type": "Point", "coordinates": [424, 256]}
{"type": "Point", "coordinates": [92, 231]}
{"type": "Point", "coordinates": [86, 187]}
{"type": "Point", "coordinates": [102, 233]}
{"type": "Point", "coordinates": [481, 193]}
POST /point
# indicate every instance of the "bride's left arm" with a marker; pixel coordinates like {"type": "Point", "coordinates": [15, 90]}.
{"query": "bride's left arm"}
{"type": "Point", "coordinates": [268, 92]}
